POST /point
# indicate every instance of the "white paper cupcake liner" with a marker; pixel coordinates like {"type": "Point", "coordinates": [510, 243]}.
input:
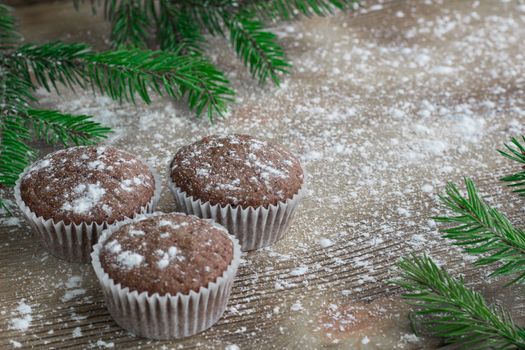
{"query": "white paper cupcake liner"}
{"type": "Point", "coordinates": [167, 316]}
{"type": "Point", "coordinates": [254, 227]}
{"type": "Point", "coordinates": [73, 242]}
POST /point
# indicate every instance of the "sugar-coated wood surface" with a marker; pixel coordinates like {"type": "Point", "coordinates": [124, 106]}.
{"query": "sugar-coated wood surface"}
{"type": "Point", "coordinates": [383, 107]}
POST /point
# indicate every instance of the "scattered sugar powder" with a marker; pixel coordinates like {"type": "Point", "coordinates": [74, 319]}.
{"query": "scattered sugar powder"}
{"type": "Point", "coordinates": [325, 242]}
{"type": "Point", "coordinates": [74, 282]}
{"type": "Point", "coordinates": [403, 212]}
{"type": "Point", "coordinates": [232, 347]}
{"type": "Point", "coordinates": [10, 221]}
{"type": "Point", "coordinates": [299, 271]}
{"type": "Point", "coordinates": [297, 306]}
{"type": "Point", "coordinates": [166, 257]}
{"type": "Point", "coordinates": [88, 196]}
{"type": "Point", "coordinates": [136, 233]}
{"type": "Point", "coordinates": [24, 319]}
{"type": "Point", "coordinates": [72, 294]}
{"type": "Point", "coordinates": [128, 184]}
{"type": "Point", "coordinates": [105, 345]}
{"type": "Point", "coordinates": [427, 188]}
{"type": "Point", "coordinates": [172, 251]}
{"type": "Point", "coordinates": [169, 223]}
{"type": "Point", "coordinates": [15, 343]}
{"type": "Point", "coordinates": [410, 338]}
{"type": "Point", "coordinates": [164, 261]}
{"type": "Point", "coordinates": [77, 332]}
{"type": "Point", "coordinates": [73, 291]}
{"type": "Point", "coordinates": [202, 172]}
{"type": "Point", "coordinates": [114, 247]}
{"type": "Point", "coordinates": [443, 70]}
{"type": "Point", "coordinates": [129, 259]}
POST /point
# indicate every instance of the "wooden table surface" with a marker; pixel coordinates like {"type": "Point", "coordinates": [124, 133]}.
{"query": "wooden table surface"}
{"type": "Point", "coordinates": [383, 107]}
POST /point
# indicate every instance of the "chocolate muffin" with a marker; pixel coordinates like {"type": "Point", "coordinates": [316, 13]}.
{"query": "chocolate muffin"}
{"type": "Point", "coordinates": [172, 253]}
{"type": "Point", "coordinates": [70, 196]}
{"type": "Point", "coordinates": [237, 169]}
{"type": "Point", "coordinates": [252, 187]}
{"type": "Point", "coordinates": [166, 276]}
{"type": "Point", "coordinates": [87, 184]}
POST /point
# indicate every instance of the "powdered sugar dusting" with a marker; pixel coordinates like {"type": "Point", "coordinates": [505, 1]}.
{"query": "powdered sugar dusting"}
{"type": "Point", "coordinates": [23, 318]}
{"type": "Point", "coordinates": [15, 344]}
{"type": "Point", "coordinates": [105, 345]}
{"type": "Point", "coordinates": [129, 260]}
{"type": "Point", "coordinates": [88, 196]}
{"type": "Point", "coordinates": [167, 256]}
{"type": "Point", "coordinates": [136, 233]}
{"type": "Point", "coordinates": [239, 166]}
{"type": "Point", "coordinates": [88, 182]}
{"type": "Point", "coordinates": [73, 290]}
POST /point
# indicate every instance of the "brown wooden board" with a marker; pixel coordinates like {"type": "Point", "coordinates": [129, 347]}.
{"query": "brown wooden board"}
{"type": "Point", "coordinates": [383, 107]}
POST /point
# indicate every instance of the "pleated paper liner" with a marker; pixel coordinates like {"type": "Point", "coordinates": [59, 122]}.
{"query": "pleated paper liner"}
{"type": "Point", "coordinates": [254, 227]}
{"type": "Point", "coordinates": [73, 242]}
{"type": "Point", "coordinates": [167, 316]}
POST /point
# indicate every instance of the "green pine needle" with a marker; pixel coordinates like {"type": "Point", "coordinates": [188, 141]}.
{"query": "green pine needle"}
{"type": "Point", "coordinates": [55, 127]}
{"type": "Point", "coordinates": [481, 229]}
{"type": "Point", "coordinates": [286, 10]}
{"type": "Point", "coordinates": [130, 25]}
{"type": "Point", "coordinates": [258, 49]}
{"type": "Point", "coordinates": [52, 63]}
{"type": "Point", "coordinates": [516, 152]}
{"type": "Point", "coordinates": [176, 30]}
{"type": "Point", "coordinates": [15, 93]}
{"type": "Point", "coordinates": [15, 155]}
{"type": "Point", "coordinates": [453, 311]}
{"type": "Point", "coordinates": [179, 25]}
{"type": "Point", "coordinates": [208, 14]}
{"type": "Point", "coordinates": [123, 74]}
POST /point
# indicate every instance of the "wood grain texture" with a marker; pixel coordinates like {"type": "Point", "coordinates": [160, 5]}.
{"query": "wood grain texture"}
{"type": "Point", "coordinates": [363, 192]}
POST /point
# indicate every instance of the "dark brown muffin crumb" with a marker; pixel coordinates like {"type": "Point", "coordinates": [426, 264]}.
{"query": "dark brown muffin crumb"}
{"type": "Point", "coordinates": [168, 253]}
{"type": "Point", "coordinates": [87, 184]}
{"type": "Point", "coordinates": [237, 170]}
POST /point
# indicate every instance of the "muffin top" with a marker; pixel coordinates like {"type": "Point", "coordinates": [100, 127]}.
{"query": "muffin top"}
{"type": "Point", "coordinates": [87, 184]}
{"type": "Point", "coordinates": [168, 253]}
{"type": "Point", "coordinates": [237, 170]}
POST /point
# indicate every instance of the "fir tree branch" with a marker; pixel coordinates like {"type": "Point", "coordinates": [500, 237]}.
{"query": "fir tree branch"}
{"type": "Point", "coordinates": [457, 313]}
{"type": "Point", "coordinates": [286, 9]}
{"type": "Point", "coordinates": [179, 21]}
{"type": "Point", "coordinates": [9, 36]}
{"type": "Point", "coordinates": [481, 229]}
{"type": "Point", "coordinates": [122, 74]}
{"type": "Point", "coordinates": [67, 129]}
{"type": "Point", "coordinates": [208, 14]}
{"type": "Point", "coordinates": [274, 9]}
{"type": "Point", "coordinates": [15, 93]}
{"type": "Point", "coordinates": [257, 48]}
{"type": "Point", "coordinates": [15, 155]}
{"type": "Point", "coordinates": [516, 152]}
{"type": "Point", "coordinates": [52, 63]}
{"type": "Point", "coordinates": [130, 25]}
{"type": "Point", "coordinates": [167, 26]}
{"type": "Point", "coordinates": [176, 31]}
